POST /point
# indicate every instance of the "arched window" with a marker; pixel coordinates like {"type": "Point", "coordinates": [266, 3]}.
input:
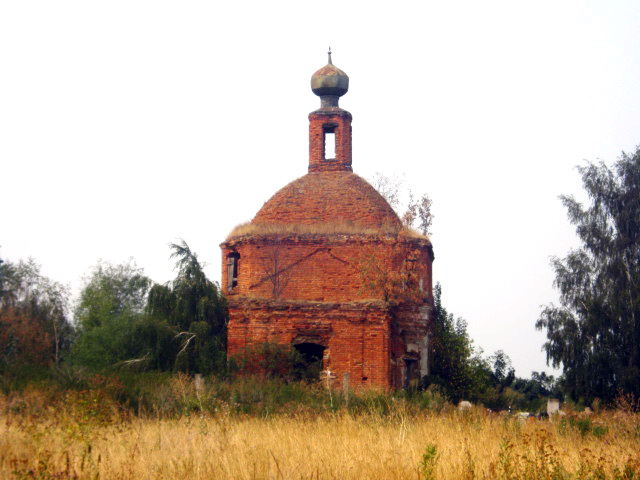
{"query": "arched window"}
{"type": "Point", "coordinates": [232, 269]}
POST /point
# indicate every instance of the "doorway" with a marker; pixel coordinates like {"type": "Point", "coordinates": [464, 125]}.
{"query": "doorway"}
{"type": "Point", "coordinates": [308, 365]}
{"type": "Point", "coordinates": [410, 372]}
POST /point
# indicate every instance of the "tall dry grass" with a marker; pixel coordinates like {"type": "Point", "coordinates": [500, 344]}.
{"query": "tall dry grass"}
{"type": "Point", "coordinates": [91, 438]}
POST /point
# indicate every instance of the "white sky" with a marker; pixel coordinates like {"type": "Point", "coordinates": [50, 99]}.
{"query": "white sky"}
{"type": "Point", "coordinates": [125, 125]}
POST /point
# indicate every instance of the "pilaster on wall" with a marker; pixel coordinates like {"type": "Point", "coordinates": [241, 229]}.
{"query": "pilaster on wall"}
{"type": "Point", "coordinates": [324, 122]}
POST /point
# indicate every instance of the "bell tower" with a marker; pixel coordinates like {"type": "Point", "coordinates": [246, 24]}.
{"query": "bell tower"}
{"type": "Point", "coordinates": [330, 125]}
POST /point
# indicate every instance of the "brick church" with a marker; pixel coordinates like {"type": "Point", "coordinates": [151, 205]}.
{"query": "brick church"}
{"type": "Point", "coordinates": [327, 266]}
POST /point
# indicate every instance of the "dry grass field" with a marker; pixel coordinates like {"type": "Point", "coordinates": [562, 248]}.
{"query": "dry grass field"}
{"type": "Point", "coordinates": [85, 436]}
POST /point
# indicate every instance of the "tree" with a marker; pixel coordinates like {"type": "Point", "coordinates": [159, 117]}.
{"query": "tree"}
{"type": "Point", "coordinates": [6, 272]}
{"type": "Point", "coordinates": [414, 213]}
{"type": "Point", "coordinates": [456, 366]}
{"type": "Point", "coordinates": [418, 214]}
{"type": "Point", "coordinates": [391, 188]}
{"type": "Point", "coordinates": [110, 306]}
{"type": "Point", "coordinates": [34, 328]}
{"type": "Point", "coordinates": [194, 307]}
{"type": "Point", "coordinates": [395, 285]}
{"type": "Point", "coordinates": [503, 373]}
{"type": "Point", "coordinates": [595, 333]}
{"type": "Point", "coordinates": [539, 385]}
{"type": "Point", "coordinates": [111, 290]}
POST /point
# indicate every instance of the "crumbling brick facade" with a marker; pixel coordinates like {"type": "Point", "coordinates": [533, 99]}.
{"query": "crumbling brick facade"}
{"type": "Point", "coordinates": [326, 264]}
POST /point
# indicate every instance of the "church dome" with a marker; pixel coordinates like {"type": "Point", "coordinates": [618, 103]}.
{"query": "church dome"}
{"type": "Point", "coordinates": [338, 198]}
{"type": "Point", "coordinates": [329, 80]}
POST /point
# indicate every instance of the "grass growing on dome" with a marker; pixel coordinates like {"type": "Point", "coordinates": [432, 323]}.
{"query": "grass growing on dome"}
{"type": "Point", "coordinates": [327, 228]}
{"type": "Point", "coordinates": [412, 233]}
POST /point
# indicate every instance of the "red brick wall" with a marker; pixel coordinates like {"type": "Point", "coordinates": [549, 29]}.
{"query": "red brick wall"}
{"type": "Point", "coordinates": [412, 322]}
{"type": "Point", "coordinates": [357, 335]}
{"type": "Point", "coordinates": [323, 297]}
{"type": "Point", "coordinates": [367, 340]}
{"type": "Point", "coordinates": [340, 121]}
{"type": "Point", "coordinates": [321, 268]}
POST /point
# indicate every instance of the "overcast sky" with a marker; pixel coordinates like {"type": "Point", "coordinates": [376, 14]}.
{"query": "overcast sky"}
{"type": "Point", "coordinates": [126, 125]}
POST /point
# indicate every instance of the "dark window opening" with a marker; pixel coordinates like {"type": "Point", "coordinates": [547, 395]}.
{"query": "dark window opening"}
{"type": "Point", "coordinates": [411, 372]}
{"type": "Point", "coordinates": [232, 269]}
{"type": "Point", "coordinates": [309, 362]}
{"type": "Point", "coordinates": [329, 142]}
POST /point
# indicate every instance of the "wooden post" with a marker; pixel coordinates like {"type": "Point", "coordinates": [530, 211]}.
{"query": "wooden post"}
{"type": "Point", "coordinates": [198, 382]}
{"type": "Point", "coordinates": [345, 387]}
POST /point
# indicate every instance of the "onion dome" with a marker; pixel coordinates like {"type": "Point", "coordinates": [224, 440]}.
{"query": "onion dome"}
{"type": "Point", "coordinates": [329, 81]}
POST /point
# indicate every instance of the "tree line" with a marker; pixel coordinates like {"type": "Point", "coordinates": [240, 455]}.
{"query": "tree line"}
{"type": "Point", "coordinates": [122, 319]}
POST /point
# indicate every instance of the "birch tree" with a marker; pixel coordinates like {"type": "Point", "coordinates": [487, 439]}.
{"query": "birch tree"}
{"type": "Point", "coordinates": [594, 334]}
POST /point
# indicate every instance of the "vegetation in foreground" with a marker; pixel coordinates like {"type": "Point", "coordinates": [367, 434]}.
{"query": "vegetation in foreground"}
{"type": "Point", "coordinates": [111, 395]}
{"type": "Point", "coordinates": [268, 429]}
